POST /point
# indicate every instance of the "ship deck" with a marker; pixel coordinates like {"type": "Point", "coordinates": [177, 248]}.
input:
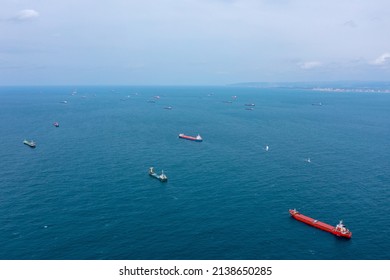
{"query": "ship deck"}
{"type": "Point", "coordinates": [313, 222]}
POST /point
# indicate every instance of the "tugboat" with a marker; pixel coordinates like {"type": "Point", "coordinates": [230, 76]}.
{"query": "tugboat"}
{"type": "Point", "coordinates": [339, 230]}
{"type": "Point", "coordinates": [198, 138]}
{"type": "Point", "coordinates": [56, 124]}
{"type": "Point", "coordinates": [29, 143]}
{"type": "Point", "coordinates": [162, 177]}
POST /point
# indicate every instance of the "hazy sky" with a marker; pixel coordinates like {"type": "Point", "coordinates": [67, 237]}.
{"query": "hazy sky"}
{"type": "Point", "coordinates": [193, 42]}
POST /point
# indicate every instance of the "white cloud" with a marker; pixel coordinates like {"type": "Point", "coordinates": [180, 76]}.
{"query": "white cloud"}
{"type": "Point", "coordinates": [309, 64]}
{"type": "Point", "coordinates": [384, 59]}
{"type": "Point", "coordinates": [25, 15]}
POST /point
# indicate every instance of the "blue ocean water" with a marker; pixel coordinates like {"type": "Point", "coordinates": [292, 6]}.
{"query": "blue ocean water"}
{"type": "Point", "coordinates": [85, 193]}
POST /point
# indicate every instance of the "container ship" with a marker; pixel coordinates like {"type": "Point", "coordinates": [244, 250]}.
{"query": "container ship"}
{"type": "Point", "coordinates": [339, 230]}
{"type": "Point", "coordinates": [198, 138]}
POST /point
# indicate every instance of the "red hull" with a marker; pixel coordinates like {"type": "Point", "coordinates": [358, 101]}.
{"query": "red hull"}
{"type": "Point", "coordinates": [197, 139]}
{"type": "Point", "coordinates": [320, 225]}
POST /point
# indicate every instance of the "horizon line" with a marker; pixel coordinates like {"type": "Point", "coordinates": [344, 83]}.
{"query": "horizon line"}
{"type": "Point", "coordinates": [199, 85]}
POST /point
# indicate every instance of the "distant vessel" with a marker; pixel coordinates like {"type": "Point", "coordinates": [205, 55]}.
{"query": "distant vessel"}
{"type": "Point", "coordinates": [65, 102]}
{"type": "Point", "coordinates": [29, 143]}
{"type": "Point", "coordinates": [266, 148]}
{"type": "Point", "coordinates": [339, 230]}
{"type": "Point", "coordinates": [198, 138]}
{"type": "Point", "coordinates": [56, 124]}
{"type": "Point", "coordinates": [249, 108]}
{"type": "Point", "coordinates": [162, 177]}
{"type": "Point", "coordinates": [308, 160]}
{"type": "Point", "coordinates": [317, 104]}
{"type": "Point", "coordinates": [168, 108]}
{"type": "Point", "coordinates": [250, 104]}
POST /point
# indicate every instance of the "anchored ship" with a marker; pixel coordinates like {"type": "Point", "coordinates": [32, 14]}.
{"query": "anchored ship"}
{"type": "Point", "coordinates": [198, 138]}
{"type": "Point", "coordinates": [339, 230]}
{"type": "Point", "coordinates": [29, 143]}
{"type": "Point", "coordinates": [162, 177]}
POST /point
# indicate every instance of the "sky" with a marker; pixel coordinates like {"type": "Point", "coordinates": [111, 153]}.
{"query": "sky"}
{"type": "Point", "coordinates": [192, 42]}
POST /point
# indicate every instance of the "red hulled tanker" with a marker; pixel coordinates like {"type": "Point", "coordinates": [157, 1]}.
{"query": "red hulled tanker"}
{"type": "Point", "coordinates": [339, 230]}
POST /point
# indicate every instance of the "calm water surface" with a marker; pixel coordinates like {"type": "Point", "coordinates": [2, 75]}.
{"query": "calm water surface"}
{"type": "Point", "coordinates": [84, 192]}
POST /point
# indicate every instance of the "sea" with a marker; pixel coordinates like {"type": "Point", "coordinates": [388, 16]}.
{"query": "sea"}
{"type": "Point", "coordinates": [84, 192]}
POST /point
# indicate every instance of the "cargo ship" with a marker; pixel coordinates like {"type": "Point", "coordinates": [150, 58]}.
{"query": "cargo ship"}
{"type": "Point", "coordinates": [198, 138]}
{"type": "Point", "coordinates": [339, 230]}
{"type": "Point", "coordinates": [162, 177]}
{"type": "Point", "coordinates": [29, 143]}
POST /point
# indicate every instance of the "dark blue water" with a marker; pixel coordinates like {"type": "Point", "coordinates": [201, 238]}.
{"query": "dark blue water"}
{"type": "Point", "coordinates": [84, 192]}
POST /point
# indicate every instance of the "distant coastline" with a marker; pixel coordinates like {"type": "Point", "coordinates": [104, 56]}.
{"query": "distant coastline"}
{"type": "Point", "coordinates": [365, 90]}
{"type": "Point", "coordinates": [337, 86]}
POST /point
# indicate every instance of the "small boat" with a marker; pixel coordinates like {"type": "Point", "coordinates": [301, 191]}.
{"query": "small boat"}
{"type": "Point", "coordinates": [168, 108]}
{"type": "Point", "coordinates": [266, 148]}
{"type": "Point", "coordinates": [339, 230]}
{"type": "Point", "coordinates": [250, 104]}
{"type": "Point", "coordinates": [56, 124]}
{"type": "Point", "coordinates": [162, 177]}
{"type": "Point", "coordinates": [198, 138]}
{"type": "Point", "coordinates": [30, 143]}
{"type": "Point", "coordinates": [308, 160]}
{"type": "Point", "coordinates": [64, 102]}
{"type": "Point", "coordinates": [249, 108]}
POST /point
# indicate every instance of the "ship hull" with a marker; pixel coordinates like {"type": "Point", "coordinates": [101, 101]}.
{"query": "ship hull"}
{"type": "Point", "coordinates": [318, 224]}
{"type": "Point", "coordinates": [191, 138]}
{"type": "Point", "coordinates": [154, 175]}
{"type": "Point", "coordinates": [30, 144]}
